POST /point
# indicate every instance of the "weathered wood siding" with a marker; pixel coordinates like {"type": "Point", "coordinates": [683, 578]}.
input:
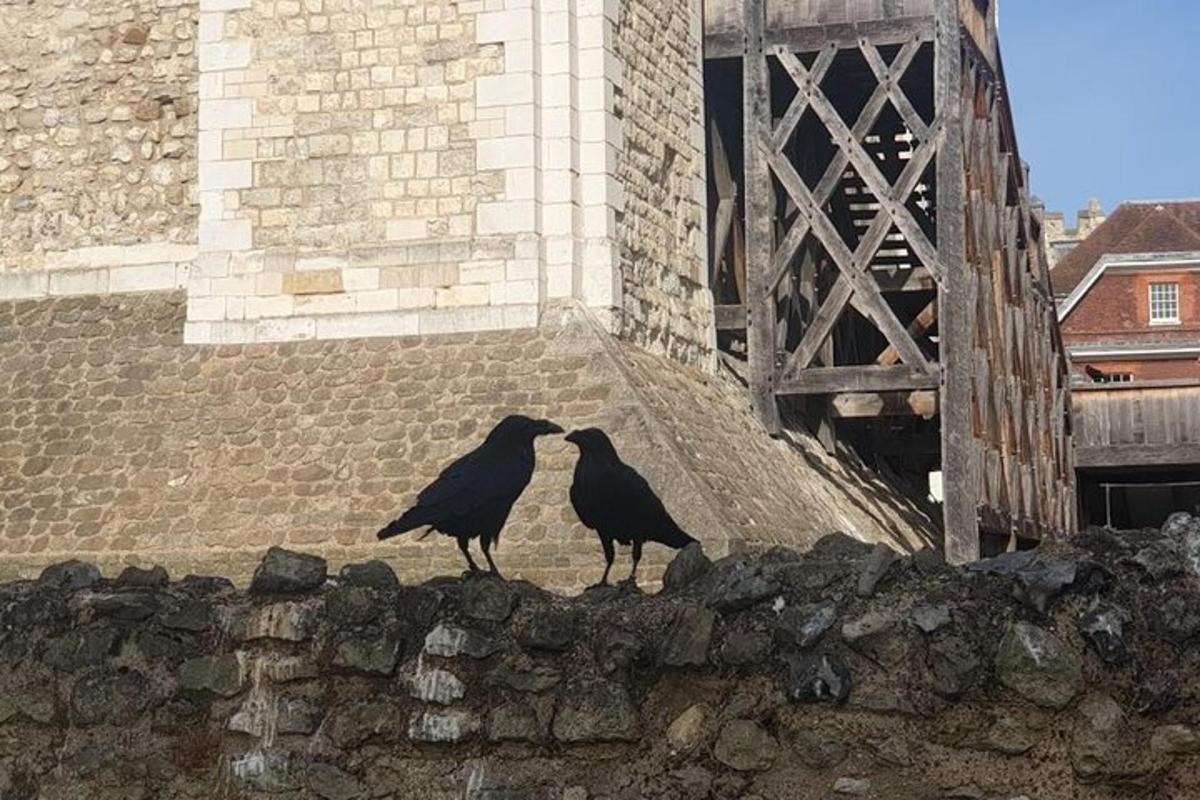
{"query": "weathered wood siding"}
{"type": "Point", "coordinates": [1137, 425]}
{"type": "Point", "coordinates": [725, 16]}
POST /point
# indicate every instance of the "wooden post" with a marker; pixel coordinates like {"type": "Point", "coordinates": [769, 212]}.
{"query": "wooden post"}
{"type": "Point", "coordinates": [956, 300]}
{"type": "Point", "coordinates": [760, 209]}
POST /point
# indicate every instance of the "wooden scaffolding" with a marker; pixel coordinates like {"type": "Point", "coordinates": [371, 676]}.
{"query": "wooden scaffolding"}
{"type": "Point", "coordinates": [878, 267]}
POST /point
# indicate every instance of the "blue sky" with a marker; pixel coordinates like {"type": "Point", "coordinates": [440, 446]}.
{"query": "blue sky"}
{"type": "Point", "coordinates": [1106, 96]}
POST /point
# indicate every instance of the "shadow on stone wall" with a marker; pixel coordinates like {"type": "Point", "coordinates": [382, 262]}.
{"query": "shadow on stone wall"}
{"type": "Point", "coordinates": [844, 671]}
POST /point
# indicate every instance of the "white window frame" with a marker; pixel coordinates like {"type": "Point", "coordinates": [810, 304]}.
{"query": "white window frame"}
{"type": "Point", "coordinates": [1164, 302]}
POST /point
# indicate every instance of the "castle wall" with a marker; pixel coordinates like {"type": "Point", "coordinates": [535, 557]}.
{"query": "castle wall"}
{"type": "Point", "coordinates": [122, 444]}
{"type": "Point", "coordinates": [666, 307]}
{"type": "Point", "coordinates": [97, 145]}
{"type": "Point", "coordinates": [326, 169]}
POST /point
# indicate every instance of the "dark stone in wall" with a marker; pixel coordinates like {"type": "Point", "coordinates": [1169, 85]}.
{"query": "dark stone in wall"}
{"type": "Point", "coordinates": [477, 687]}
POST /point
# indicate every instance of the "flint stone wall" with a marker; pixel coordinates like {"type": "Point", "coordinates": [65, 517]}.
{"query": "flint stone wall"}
{"type": "Point", "coordinates": [1066, 674]}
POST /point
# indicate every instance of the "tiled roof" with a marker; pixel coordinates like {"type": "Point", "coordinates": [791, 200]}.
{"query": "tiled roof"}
{"type": "Point", "coordinates": [1143, 227]}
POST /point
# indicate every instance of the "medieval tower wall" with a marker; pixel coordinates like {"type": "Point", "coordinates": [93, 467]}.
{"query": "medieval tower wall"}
{"type": "Point", "coordinates": [267, 265]}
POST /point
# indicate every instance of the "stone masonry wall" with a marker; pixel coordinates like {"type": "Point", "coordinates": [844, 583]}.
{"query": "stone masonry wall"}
{"type": "Point", "coordinates": [123, 445]}
{"type": "Point", "coordinates": [97, 137]}
{"type": "Point", "coordinates": [343, 171]}
{"type": "Point", "coordinates": [666, 305]}
{"type": "Point", "coordinates": [1064, 675]}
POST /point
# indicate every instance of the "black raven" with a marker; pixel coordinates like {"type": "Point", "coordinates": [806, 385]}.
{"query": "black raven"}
{"type": "Point", "coordinates": [473, 496]}
{"type": "Point", "coordinates": [612, 499]}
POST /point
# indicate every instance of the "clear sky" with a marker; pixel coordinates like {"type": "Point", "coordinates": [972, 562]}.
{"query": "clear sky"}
{"type": "Point", "coordinates": [1106, 96]}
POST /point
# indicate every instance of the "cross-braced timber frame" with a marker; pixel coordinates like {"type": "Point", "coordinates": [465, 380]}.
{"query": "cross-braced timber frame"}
{"type": "Point", "coordinates": [891, 261]}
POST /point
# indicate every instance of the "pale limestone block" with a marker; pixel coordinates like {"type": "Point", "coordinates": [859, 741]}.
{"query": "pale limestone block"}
{"type": "Point", "coordinates": [481, 271]}
{"type": "Point", "coordinates": [284, 329]}
{"type": "Point", "coordinates": [322, 281]}
{"type": "Point", "coordinates": [223, 114]}
{"type": "Point", "coordinates": [212, 86]}
{"type": "Point", "coordinates": [415, 297]}
{"type": "Point", "coordinates": [21, 285]}
{"type": "Point", "coordinates": [224, 55]}
{"type": "Point", "coordinates": [594, 94]}
{"type": "Point", "coordinates": [84, 281]}
{"type": "Point", "coordinates": [224, 175]}
{"type": "Point", "coordinates": [461, 295]}
{"type": "Point", "coordinates": [504, 26]}
{"type": "Point", "coordinates": [212, 27]}
{"type": "Point", "coordinates": [560, 280]}
{"type": "Point", "coordinates": [225, 235]}
{"type": "Point", "coordinates": [279, 305]}
{"type": "Point", "coordinates": [240, 149]}
{"type": "Point", "coordinates": [520, 316]}
{"type": "Point", "coordinates": [398, 230]}
{"type": "Point", "coordinates": [503, 90]}
{"type": "Point", "coordinates": [210, 265]}
{"type": "Point", "coordinates": [231, 332]}
{"type": "Point", "coordinates": [325, 304]}
{"type": "Point", "coordinates": [595, 31]}
{"type": "Point", "coordinates": [556, 91]}
{"type": "Point", "coordinates": [521, 183]}
{"type": "Point", "coordinates": [599, 221]}
{"type": "Point", "coordinates": [505, 217]}
{"type": "Point", "coordinates": [223, 5]}
{"type": "Point", "coordinates": [268, 283]}
{"type": "Point", "coordinates": [556, 58]}
{"type": "Point", "coordinates": [197, 333]}
{"type": "Point", "coordinates": [518, 56]}
{"type": "Point", "coordinates": [461, 320]}
{"type": "Point", "coordinates": [556, 27]}
{"type": "Point", "coordinates": [396, 323]}
{"type": "Point", "coordinates": [360, 280]}
{"type": "Point", "coordinates": [376, 300]}
{"type": "Point", "coordinates": [212, 205]}
{"type": "Point", "coordinates": [513, 292]}
{"type": "Point", "coordinates": [123, 255]}
{"type": "Point", "coordinates": [518, 269]}
{"type": "Point", "coordinates": [518, 121]}
{"type": "Point", "coordinates": [206, 309]}
{"type": "Point", "coordinates": [142, 278]}
{"type": "Point", "coordinates": [597, 157]}
{"type": "Point", "coordinates": [209, 145]}
{"type": "Point", "coordinates": [558, 219]}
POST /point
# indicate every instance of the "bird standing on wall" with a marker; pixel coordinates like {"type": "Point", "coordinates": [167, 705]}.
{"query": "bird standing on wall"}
{"type": "Point", "coordinates": [616, 502]}
{"type": "Point", "coordinates": [473, 496]}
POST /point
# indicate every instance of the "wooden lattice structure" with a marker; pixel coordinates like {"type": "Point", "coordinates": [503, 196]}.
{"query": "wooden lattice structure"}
{"type": "Point", "coordinates": [889, 285]}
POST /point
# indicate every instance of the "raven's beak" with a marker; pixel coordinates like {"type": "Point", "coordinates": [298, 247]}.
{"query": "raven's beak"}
{"type": "Point", "coordinates": [572, 437]}
{"type": "Point", "coordinates": [549, 427]}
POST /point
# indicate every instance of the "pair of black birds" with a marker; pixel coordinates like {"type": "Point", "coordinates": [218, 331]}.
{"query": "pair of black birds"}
{"type": "Point", "coordinates": [473, 496]}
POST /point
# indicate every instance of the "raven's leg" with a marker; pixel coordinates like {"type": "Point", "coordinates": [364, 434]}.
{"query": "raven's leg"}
{"type": "Point", "coordinates": [609, 555]}
{"type": "Point", "coordinates": [637, 556]}
{"type": "Point", "coordinates": [462, 545]}
{"type": "Point", "coordinates": [486, 543]}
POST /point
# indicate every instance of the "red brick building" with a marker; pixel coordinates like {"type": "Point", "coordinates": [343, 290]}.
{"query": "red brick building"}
{"type": "Point", "coordinates": [1129, 295]}
{"type": "Point", "coordinates": [1129, 307]}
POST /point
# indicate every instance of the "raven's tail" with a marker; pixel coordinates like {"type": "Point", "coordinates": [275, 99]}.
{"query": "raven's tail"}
{"type": "Point", "coordinates": [674, 536]}
{"type": "Point", "coordinates": [413, 518]}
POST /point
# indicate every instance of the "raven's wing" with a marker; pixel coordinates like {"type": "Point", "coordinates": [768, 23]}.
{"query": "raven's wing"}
{"type": "Point", "coordinates": [482, 475]}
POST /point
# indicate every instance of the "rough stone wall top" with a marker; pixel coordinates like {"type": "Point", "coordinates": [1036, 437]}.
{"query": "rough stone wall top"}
{"type": "Point", "coordinates": [666, 304]}
{"type": "Point", "coordinates": [97, 126]}
{"type": "Point", "coordinates": [121, 444]}
{"type": "Point", "coordinates": [1069, 675]}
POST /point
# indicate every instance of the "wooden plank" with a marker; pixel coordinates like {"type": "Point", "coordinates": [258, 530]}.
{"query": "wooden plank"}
{"type": "Point", "coordinates": [956, 301]}
{"type": "Point", "coordinates": [863, 164]}
{"type": "Point", "coordinates": [1184, 454]}
{"type": "Point", "coordinates": [760, 200]}
{"type": "Point", "coordinates": [819, 328]}
{"type": "Point", "coordinates": [922, 403]}
{"type": "Point", "coordinates": [837, 380]}
{"type": "Point", "coordinates": [921, 323]}
{"type": "Point", "coordinates": [730, 318]}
